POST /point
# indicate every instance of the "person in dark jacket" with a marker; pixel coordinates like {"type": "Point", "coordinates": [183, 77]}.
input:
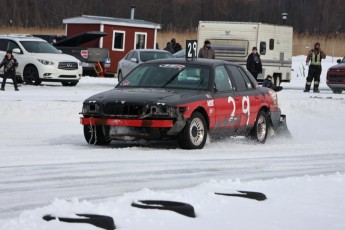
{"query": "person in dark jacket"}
{"type": "Point", "coordinates": [314, 57]}
{"type": "Point", "coordinates": [175, 45]}
{"type": "Point", "coordinates": [169, 48]}
{"type": "Point", "coordinates": [254, 65]}
{"type": "Point", "coordinates": [10, 64]}
{"type": "Point", "coordinates": [206, 51]}
{"type": "Point", "coordinates": [269, 84]}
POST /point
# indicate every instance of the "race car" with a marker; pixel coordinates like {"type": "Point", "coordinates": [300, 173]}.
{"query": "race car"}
{"type": "Point", "coordinates": [183, 100]}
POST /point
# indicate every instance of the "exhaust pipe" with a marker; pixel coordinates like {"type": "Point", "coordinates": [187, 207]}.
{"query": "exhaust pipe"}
{"type": "Point", "coordinates": [132, 11]}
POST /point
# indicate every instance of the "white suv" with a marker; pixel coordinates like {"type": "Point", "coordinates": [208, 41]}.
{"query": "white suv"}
{"type": "Point", "coordinates": [40, 61]}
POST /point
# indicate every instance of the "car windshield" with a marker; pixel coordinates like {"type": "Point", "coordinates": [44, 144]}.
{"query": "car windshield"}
{"type": "Point", "coordinates": [146, 55]}
{"type": "Point", "coordinates": [39, 47]}
{"type": "Point", "coordinates": [177, 76]}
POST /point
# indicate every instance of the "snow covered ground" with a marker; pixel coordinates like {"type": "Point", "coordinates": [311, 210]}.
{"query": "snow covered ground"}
{"type": "Point", "coordinates": [46, 167]}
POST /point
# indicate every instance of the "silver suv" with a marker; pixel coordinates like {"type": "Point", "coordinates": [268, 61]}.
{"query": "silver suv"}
{"type": "Point", "coordinates": [40, 61]}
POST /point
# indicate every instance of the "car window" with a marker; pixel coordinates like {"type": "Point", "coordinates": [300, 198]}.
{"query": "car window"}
{"type": "Point", "coordinates": [168, 76]}
{"type": "Point", "coordinates": [146, 56]}
{"type": "Point", "coordinates": [39, 47]}
{"type": "Point", "coordinates": [129, 55]}
{"type": "Point", "coordinates": [222, 80]}
{"type": "Point", "coordinates": [246, 79]}
{"type": "Point", "coordinates": [238, 78]}
{"type": "Point", "coordinates": [135, 55]}
{"type": "Point", "coordinates": [6, 44]}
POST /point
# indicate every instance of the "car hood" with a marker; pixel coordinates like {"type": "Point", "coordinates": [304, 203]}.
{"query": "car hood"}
{"type": "Point", "coordinates": [55, 57]}
{"type": "Point", "coordinates": [147, 96]}
{"type": "Point", "coordinates": [339, 66]}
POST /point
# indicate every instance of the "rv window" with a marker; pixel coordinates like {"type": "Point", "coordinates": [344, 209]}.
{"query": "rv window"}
{"type": "Point", "coordinates": [271, 44]}
{"type": "Point", "coordinates": [225, 48]}
{"type": "Point", "coordinates": [262, 48]}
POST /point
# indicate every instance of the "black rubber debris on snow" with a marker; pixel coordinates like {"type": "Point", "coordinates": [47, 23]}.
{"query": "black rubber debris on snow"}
{"type": "Point", "coordinates": [105, 222]}
{"type": "Point", "coordinates": [179, 207]}
{"type": "Point", "coordinates": [246, 194]}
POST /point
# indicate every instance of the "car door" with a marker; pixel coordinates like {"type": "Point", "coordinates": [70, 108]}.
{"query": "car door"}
{"type": "Point", "coordinates": [248, 96]}
{"type": "Point", "coordinates": [226, 102]}
{"type": "Point", "coordinates": [126, 62]}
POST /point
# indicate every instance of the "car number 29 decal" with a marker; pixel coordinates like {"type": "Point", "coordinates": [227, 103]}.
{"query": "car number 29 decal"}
{"type": "Point", "coordinates": [245, 107]}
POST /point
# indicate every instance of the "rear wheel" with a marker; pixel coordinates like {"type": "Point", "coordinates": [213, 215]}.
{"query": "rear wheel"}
{"type": "Point", "coordinates": [31, 76]}
{"type": "Point", "coordinates": [194, 134]}
{"type": "Point", "coordinates": [337, 91]}
{"type": "Point", "coordinates": [260, 129]}
{"type": "Point", "coordinates": [94, 135]}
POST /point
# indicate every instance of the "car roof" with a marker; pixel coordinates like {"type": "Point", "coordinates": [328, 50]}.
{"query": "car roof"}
{"type": "Point", "coordinates": [197, 61]}
{"type": "Point", "coordinates": [21, 37]}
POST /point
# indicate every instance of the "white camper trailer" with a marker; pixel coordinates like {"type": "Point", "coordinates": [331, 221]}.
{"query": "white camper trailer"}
{"type": "Point", "coordinates": [233, 41]}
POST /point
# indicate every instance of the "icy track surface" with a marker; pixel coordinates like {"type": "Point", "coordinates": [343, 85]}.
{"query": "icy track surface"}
{"type": "Point", "coordinates": [44, 155]}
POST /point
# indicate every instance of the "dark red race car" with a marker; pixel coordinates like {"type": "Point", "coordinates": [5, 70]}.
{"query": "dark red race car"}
{"type": "Point", "coordinates": [336, 77]}
{"type": "Point", "coordinates": [183, 100]}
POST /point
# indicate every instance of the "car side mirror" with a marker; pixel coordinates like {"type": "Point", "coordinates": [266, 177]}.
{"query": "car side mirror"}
{"type": "Point", "coordinates": [339, 61]}
{"type": "Point", "coordinates": [134, 60]}
{"type": "Point", "coordinates": [16, 50]}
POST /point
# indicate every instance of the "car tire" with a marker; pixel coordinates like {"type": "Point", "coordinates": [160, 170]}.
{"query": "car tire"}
{"type": "Point", "coordinates": [179, 207]}
{"type": "Point", "coordinates": [260, 129]}
{"type": "Point", "coordinates": [31, 76]}
{"type": "Point", "coordinates": [194, 134]}
{"type": "Point", "coordinates": [94, 135]}
{"type": "Point", "coordinates": [69, 83]}
{"type": "Point", "coordinates": [337, 91]}
{"type": "Point", "coordinates": [119, 76]}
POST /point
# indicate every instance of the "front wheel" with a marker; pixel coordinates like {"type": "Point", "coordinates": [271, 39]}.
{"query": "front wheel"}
{"type": "Point", "coordinates": [260, 129]}
{"type": "Point", "coordinates": [94, 135]}
{"type": "Point", "coordinates": [120, 77]}
{"type": "Point", "coordinates": [31, 76]}
{"type": "Point", "coordinates": [194, 134]}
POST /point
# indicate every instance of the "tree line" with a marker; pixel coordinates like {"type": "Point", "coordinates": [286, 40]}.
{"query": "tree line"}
{"type": "Point", "coordinates": [305, 16]}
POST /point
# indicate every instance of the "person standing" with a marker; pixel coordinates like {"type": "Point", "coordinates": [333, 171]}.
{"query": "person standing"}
{"type": "Point", "coordinates": [175, 45]}
{"type": "Point", "coordinates": [254, 65]}
{"type": "Point", "coordinates": [206, 51]}
{"type": "Point", "coordinates": [10, 64]}
{"type": "Point", "coordinates": [169, 48]}
{"type": "Point", "coordinates": [314, 57]}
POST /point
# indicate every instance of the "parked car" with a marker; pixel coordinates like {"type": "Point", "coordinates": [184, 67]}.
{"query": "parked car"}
{"type": "Point", "coordinates": [183, 100]}
{"type": "Point", "coordinates": [40, 61]}
{"type": "Point", "coordinates": [77, 46]}
{"type": "Point", "coordinates": [180, 54]}
{"type": "Point", "coordinates": [135, 57]}
{"type": "Point", "coordinates": [336, 77]}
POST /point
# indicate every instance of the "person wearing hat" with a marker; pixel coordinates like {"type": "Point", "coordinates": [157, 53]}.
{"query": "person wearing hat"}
{"type": "Point", "coordinates": [206, 51]}
{"type": "Point", "coordinates": [10, 64]}
{"type": "Point", "coordinates": [254, 65]}
{"type": "Point", "coordinates": [269, 84]}
{"type": "Point", "coordinates": [314, 57]}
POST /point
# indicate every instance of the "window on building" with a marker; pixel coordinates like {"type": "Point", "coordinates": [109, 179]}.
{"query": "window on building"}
{"type": "Point", "coordinates": [119, 40]}
{"type": "Point", "coordinates": [140, 40]}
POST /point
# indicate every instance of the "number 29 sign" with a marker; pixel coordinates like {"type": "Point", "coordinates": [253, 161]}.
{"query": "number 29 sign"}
{"type": "Point", "coordinates": [191, 46]}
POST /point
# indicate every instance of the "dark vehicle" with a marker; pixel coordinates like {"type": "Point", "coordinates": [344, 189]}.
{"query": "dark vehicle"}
{"type": "Point", "coordinates": [336, 77]}
{"type": "Point", "coordinates": [77, 46]}
{"type": "Point", "coordinates": [183, 100]}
